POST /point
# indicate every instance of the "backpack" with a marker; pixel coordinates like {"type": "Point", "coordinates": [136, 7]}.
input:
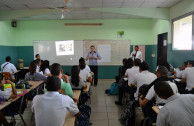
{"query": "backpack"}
{"type": "Point", "coordinates": [128, 116]}
{"type": "Point", "coordinates": [84, 118]}
{"type": "Point", "coordinates": [114, 89]}
{"type": "Point", "coordinates": [143, 90]}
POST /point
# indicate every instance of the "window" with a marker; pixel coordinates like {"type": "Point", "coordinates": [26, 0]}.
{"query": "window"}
{"type": "Point", "coordinates": [183, 33]}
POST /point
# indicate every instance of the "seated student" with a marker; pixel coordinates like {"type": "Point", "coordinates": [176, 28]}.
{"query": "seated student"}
{"type": "Point", "coordinates": [56, 70]}
{"type": "Point", "coordinates": [75, 79]}
{"type": "Point", "coordinates": [133, 71]}
{"type": "Point", "coordinates": [84, 74]}
{"type": "Point", "coordinates": [38, 64]}
{"type": "Point", "coordinates": [178, 110]}
{"type": "Point", "coordinates": [32, 75]}
{"type": "Point", "coordinates": [124, 61]}
{"type": "Point", "coordinates": [144, 77]}
{"type": "Point", "coordinates": [44, 68]}
{"type": "Point", "coordinates": [37, 56]}
{"type": "Point", "coordinates": [114, 88]}
{"type": "Point", "coordinates": [188, 77]}
{"type": "Point", "coordinates": [179, 71]}
{"type": "Point", "coordinates": [6, 94]}
{"type": "Point", "coordinates": [9, 67]}
{"type": "Point", "coordinates": [51, 108]}
{"type": "Point", "coordinates": [162, 75]}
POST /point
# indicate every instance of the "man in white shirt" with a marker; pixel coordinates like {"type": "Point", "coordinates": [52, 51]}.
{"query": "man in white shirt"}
{"type": "Point", "coordinates": [144, 77]}
{"type": "Point", "coordinates": [178, 110]}
{"type": "Point", "coordinates": [51, 108]}
{"type": "Point", "coordinates": [188, 77]}
{"type": "Point", "coordinates": [9, 67]}
{"type": "Point", "coordinates": [136, 54]}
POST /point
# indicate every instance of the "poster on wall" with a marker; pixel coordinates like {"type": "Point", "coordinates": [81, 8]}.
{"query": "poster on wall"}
{"type": "Point", "coordinates": [64, 47]}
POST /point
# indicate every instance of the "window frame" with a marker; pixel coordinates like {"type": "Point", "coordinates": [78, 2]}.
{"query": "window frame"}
{"type": "Point", "coordinates": [172, 29]}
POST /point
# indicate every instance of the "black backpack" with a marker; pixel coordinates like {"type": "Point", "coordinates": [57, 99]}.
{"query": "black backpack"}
{"type": "Point", "coordinates": [84, 118]}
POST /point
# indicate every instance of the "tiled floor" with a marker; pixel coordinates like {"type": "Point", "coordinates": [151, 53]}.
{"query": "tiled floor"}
{"type": "Point", "coordinates": [104, 110]}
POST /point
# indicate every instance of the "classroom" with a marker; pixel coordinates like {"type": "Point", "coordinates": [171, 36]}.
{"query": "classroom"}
{"type": "Point", "coordinates": [111, 62]}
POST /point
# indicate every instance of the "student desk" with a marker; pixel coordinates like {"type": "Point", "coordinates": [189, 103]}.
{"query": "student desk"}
{"type": "Point", "coordinates": [34, 84]}
{"type": "Point", "coordinates": [70, 119]}
{"type": "Point", "coordinates": [156, 109]}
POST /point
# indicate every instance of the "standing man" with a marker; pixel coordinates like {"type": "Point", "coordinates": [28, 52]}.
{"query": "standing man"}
{"type": "Point", "coordinates": [136, 54]}
{"type": "Point", "coordinates": [93, 56]}
{"type": "Point", "coordinates": [37, 56]}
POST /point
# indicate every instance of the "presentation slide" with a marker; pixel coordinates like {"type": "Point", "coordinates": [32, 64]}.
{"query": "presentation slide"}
{"type": "Point", "coordinates": [64, 47]}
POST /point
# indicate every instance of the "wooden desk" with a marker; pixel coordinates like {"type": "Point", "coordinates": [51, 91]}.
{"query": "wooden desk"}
{"type": "Point", "coordinates": [76, 94]}
{"type": "Point", "coordinates": [69, 120]}
{"type": "Point", "coordinates": [88, 87]}
{"type": "Point", "coordinates": [156, 109]}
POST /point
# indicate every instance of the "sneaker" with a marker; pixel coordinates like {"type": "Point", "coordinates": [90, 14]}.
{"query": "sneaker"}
{"type": "Point", "coordinates": [118, 103]}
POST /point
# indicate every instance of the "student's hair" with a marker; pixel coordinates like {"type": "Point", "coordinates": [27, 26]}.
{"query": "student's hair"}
{"type": "Point", "coordinates": [191, 62]}
{"type": "Point", "coordinates": [124, 61]}
{"type": "Point", "coordinates": [53, 83]}
{"type": "Point", "coordinates": [117, 78]}
{"type": "Point", "coordinates": [161, 62]}
{"type": "Point", "coordinates": [82, 63]}
{"type": "Point", "coordinates": [32, 68]}
{"type": "Point", "coordinates": [8, 58]}
{"type": "Point", "coordinates": [44, 65]}
{"type": "Point", "coordinates": [163, 71]}
{"type": "Point", "coordinates": [163, 89]}
{"type": "Point", "coordinates": [37, 55]}
{"type": "Point", "coordinates": [37, 61]}
{"type": "Point", "coordinates": [75, 70]}
{"type": "Point", "coordinates": [92, 46]}
{"type": "Point", "coordinates": [55, 69]}
{"type": "Point", "coordinates": [136, 46]}
{"type": "Point", "coordinates": [185, 63]}
{"type": "Point", "coordinates": [144, 66]}
{"type": "Point", "coordinates": [137, 62]}
{"type": "Point", "coordinates": [1, 77]}
{"type": "Point", "coordinates": [129, 63]}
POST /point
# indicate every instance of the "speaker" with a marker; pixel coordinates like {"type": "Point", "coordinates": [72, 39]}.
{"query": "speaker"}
{"type": "Point", "coordinates": [13, 23]}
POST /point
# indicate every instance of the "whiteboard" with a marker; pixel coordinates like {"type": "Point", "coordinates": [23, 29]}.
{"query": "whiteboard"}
{"type": "Point", "coordinates": [47, 51]}
{"type": "Point", "coordinates": [119, 49]}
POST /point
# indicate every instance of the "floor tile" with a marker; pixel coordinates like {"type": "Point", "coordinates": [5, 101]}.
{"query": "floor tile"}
{"type": "Point", "coordinates": [114, 115]}
{"type": "Point", "coordinates": [99, 109]}
{"type": "Point", "coordinates": [114, 109]}
{"type": "Point", "coordinates": [99, 116]}
{"type": "Point", "coordinates": [100, 123]}
{"type": "Point", "coordinates": [114, 122]}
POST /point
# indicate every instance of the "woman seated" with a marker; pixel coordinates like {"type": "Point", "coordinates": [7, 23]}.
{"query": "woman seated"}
{"type": "Point", "coordinates": [32, 75]}
{"type": "Point", "coordinates": [84, 74]}
{"type": "Point", "coordinates": [75, 79]}
{"type": "Point", "coordinates": [45, 69]}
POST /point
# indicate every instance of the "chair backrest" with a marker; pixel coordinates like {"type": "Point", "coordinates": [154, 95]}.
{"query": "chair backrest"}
{"type": "Point", "coordinates": [7, 76]}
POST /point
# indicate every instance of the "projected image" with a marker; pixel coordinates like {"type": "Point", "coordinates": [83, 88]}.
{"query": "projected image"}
{"type": "Point", "coordinates": [64, 47]}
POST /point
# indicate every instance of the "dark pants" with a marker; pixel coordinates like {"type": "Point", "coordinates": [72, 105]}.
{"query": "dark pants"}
{"type": "Point", "coordinates": [123, 89]}
{"type": "Point", "coordinates": [94, 69]}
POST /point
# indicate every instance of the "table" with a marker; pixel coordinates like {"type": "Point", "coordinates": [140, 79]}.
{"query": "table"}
{"type": "Point", "coordinates": [69, 120]}
{"type": "Point", "coordinates": [76, 94]}
{"type": "Point", "coordinates": [156, 109]}
{"type": "Point", "coordinates": [34, 84]}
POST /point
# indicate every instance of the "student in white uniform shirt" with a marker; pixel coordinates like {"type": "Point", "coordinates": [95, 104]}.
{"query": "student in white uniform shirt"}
{"type": "Point", "coordinates": [84, 74]}
{"type": "Point", "coordinates": [162, 75]}
{"type": "Point", "coordinates": [144, 77]}
{"type": "Point", "coordinates": [188, 77]}
{"type": "Point", "coordinates": [136, 54]}
{"type": "Point", "coordinates": [9, 67]}
{"type": "Point", "coordinates": [179, 71]}
{"type": "Point", "coordinates": [51, 108]}
{"type": "Point", "coordinates": [178, 110]}
{"type": "Point", "coordinates": [38, 64]}
{"type": "Point", "coordinates": [130, 73]}
{"type": "Point", "coordinates": [44, 68]}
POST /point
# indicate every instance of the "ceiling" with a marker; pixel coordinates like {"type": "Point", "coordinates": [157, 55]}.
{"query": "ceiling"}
{"type": "Point", "coordinates": [81, 9]}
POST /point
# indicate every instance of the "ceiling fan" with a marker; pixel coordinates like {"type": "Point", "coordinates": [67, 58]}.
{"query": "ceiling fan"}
{"type": "Point", "coordinates": [65, 9]}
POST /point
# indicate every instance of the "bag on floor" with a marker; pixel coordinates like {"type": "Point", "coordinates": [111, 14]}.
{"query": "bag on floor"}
{"type": "Point", "coordinates": [127, 116]}
{"type": "Point", "coordinates": [114, 89]}
{"type": "Point", "coordinates": [84, 97]}
{"type": "Point", "coordinates": [84, 118]}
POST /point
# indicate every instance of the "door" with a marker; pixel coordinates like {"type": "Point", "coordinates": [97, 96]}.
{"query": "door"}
{"type": "Point", "coordinates": [162, 48]}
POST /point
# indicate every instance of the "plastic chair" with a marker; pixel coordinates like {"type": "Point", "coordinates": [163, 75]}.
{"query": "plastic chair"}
{"type": "Point", "coordinates": [8, 76]}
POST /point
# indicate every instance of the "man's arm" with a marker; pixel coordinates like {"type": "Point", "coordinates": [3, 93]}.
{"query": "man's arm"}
{"type": "Point", "coordinates": [88, 57]}
{"type": "Point", "coordinates": [13, 68]}
{"type": "Point", "coordinates": [143, 101]}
